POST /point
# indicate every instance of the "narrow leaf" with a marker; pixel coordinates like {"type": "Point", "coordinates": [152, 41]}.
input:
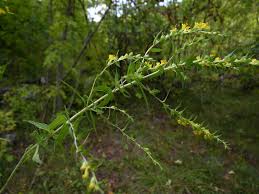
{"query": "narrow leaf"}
{"type": "Point", "coordinates": [36, 157]}
{"type": "Point", "coordinates": [39, 125]}
{"type": "Point", "coordinates": [62, 135]}
{"type": "Point", "coordinates": [58, 121]}
{"type": "Point", "coordinates": [156, 50]}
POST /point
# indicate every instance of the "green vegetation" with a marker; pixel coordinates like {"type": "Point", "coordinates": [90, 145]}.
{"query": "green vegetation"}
{"type": "Point", "coordinates": [154, 97]}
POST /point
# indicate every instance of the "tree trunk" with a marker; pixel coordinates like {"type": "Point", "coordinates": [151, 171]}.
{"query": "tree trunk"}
{"type": "Point", "coordinates": [60, 66]}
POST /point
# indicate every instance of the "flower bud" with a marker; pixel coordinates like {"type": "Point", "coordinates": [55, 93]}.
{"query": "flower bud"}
{"type": "Point", "coordinates": [84, 165]}
{"type": "Point", "coordinates": [86, 173]}
{"type": "Point", "coordinates": [92, 185]}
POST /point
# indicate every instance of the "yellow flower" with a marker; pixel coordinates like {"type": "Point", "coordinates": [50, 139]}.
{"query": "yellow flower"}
{"type": "Point", "coordinates": [182, 122]}
{"type": "Point", "coordinates": [185, 27]}
{"type": "Point", "coordinates": [207, 134]}
{"type": "Point", "coordinates": [84, 166]}
{"type": "Point", "coordinates": [201, 26]}
{"type": "Point", "coordinates": [227, 64]}
{"type": "Point", "coordinates": [217, 60]}
{"type": "Point", "coordinates": [112, 57]}
{"type": "Point", "coordinates": [197, 132]}
{"type": "Point", "coordinates": [86, 173]}
{"type": "Point", "coordinates": [148, 64]}
{"type": "Point", "coordinates": [2, 11]}
{"type": "Point", "coordinates": [206, 131]}
{"type": "Point", "coordinates": [213, 53]}
{"type": "Point", "coordinates": [92, 185]}
{"type": "Point", "coordinates": [163, 62]}
{"type": "Point", "coordinates": [174, 29]}
{"type": "Point", "coordinates": [254, 62]}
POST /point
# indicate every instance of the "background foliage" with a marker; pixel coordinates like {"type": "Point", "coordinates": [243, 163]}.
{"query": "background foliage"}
{"type": "Point", "coordinates": [50, 53]}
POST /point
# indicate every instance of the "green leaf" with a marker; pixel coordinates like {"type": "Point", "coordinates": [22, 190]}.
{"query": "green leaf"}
{"type": "Point", "coordinates": [131, 69]}
{"type": "Point", "coordinates": [58, 121]}
{"type": "Point", "coordinates": [93, 121]}
{"type": "Point", "coordinates": [77, 122]}
{"type": "Point", "coordinates": [39, 125]}
{"type": "Point", "coordinates": [156, 50]}
{"type": "Point", "coordinates": [138, 95]}
{"type": "Point", "coordinates": [124, 92]}
{"type": "Point", "coordinates": [159, 71]}
{"type": "Point", "coordinates": [106, 100]}
{"type": "Point", "coordinates": [64, 131]}
{"type": "Point", "coordinates": [154, 91]}
{"type": "Point", "coordinates": [106, 90]}
{"type": "Point", "coordinates": [103, 88]}
{"type": "Point", "coordinates": [116, 79]}
{"type": "Point", "coordinates": [2, 70]}
{"type": "Point", "coordinates": [98, 111]}
{"type": "Point", "coordinates": [36, 156]}
{"type": "Point", "coordinates": [145, 97]}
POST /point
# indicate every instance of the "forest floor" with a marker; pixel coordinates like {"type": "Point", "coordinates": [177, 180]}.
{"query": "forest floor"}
{"type": "Point", "coordinates": [190, 164]}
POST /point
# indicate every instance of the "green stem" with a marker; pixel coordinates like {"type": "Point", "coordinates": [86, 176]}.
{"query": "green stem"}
{"type": "Point", "coordinates": [116, 90]}
{"type": "Point", "coordinates": [128, 85]}
{"type": "Point", "coordinates": [27, 151]}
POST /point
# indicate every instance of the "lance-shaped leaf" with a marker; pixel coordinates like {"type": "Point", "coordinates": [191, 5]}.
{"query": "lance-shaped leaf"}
{"type": "Point", "coordinates": [58, 121]}
{"type": "Point", "coordinates": [36, 156]}
{"type": "Point", "coordinates": [105, 89]}
{"type": "Point", "coordinates": [39, 125]}
{"type": "Point", "coordinates": [156, 50]}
